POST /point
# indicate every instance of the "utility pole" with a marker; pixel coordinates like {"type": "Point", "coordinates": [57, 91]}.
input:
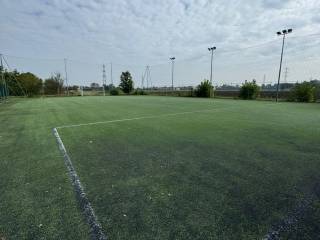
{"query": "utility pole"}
{"type": "Point", "coordinates": [146, 76]}
{"type": "Point", "coordinates": [283, 33]}
{"type": "Point", "coordinates": [211, 49]}
{"type": "Point", "coordinates": [149, 76]}
{"type": "Point", "coordinates": [104, 79]}
{"type": "Point", "coordinates": [142, 81]}
{"type": "Point", "coordinates": [66, 75]}
{"type": "Point", "coordinates": [263, 82]}
{"type": "Point", "coordinates": [111, 74]}
{"type": "Point", "coordinates": [172, 69]}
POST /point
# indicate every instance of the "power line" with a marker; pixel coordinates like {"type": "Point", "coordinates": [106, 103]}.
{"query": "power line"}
{"type": "Point", "coordinates": [163, 63]}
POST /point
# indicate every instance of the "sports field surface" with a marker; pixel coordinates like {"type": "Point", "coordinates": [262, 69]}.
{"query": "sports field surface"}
{"type": "Point", "coordinates": [160, 168]}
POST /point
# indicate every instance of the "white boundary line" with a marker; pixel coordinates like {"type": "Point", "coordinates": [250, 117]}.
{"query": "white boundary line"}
{"type": "Point", "coordinates": [138, 118]}
{"type": "Point", "coordinates": [95, 227]}
{"type": "Point", "coordinates": [145, 117]}
{"type": "Point", "coordinates": [292, 220]}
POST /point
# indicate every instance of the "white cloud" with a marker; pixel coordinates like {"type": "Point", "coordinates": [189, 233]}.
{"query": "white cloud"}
{"type": "Point", "coordinates": [140, 32]}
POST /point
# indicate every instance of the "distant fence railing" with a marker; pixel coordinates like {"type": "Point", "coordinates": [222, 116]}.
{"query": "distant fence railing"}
{"type": "Point", "coordinates": [270, 94]}
{"type": "Point", "coordinates": [265, 94]}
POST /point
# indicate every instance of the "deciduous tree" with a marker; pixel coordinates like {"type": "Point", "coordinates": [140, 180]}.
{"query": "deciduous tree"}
{"type": "Point", "coordinates": [126, 83]}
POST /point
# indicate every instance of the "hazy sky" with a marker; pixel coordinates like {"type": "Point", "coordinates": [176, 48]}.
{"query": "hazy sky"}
{"type": "Point", "coordinates": [136, 33]}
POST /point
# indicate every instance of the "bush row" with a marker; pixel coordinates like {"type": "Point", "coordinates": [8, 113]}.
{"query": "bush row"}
{"type": "Point", "coordinates": [301, 92]}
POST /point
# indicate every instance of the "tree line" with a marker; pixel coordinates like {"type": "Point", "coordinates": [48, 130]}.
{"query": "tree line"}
{"type": "Point", "coordinates": [299, 92]}
{"type": "Point", "coordinates": [28, 84]}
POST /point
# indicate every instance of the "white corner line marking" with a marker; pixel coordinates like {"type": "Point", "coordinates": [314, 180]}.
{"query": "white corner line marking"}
{"type": "Point", "coordinates": [86, 208]}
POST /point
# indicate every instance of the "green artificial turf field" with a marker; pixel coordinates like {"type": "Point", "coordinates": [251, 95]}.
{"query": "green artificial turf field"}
{"type": "Point", "coordinates": [171, 168]}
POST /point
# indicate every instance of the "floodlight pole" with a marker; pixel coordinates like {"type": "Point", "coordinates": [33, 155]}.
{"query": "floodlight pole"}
{"type": "Point", "coordinates": [284, 33]}
{"type": "Point", "coordinates": [172, 69]}
{"type": "Point", "coordinates": [280, 67]}
{"type": "Point", "coordinates": [65, 70]}
{"type": "Point", "coordinates": [211, 49]}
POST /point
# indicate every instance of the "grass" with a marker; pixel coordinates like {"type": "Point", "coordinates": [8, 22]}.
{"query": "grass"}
{"type": "Point", "coordinates": [36, 200]}
{"type": "Point", "coordinates": [229, 173]}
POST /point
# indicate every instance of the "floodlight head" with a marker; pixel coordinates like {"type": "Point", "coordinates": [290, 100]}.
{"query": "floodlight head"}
{"type": "Point", "coordinates": [284, 31]}
{"type": "Point", "coordinates": [279, 33]}
{"type": "Point", "coordinates": [209, 49]}
{"type": "Point", "coordinates": [172, 58]}
{"type": "Point", "coordinates": [214, 48]}
{"type": "Point", "coordinates": [290, 30]}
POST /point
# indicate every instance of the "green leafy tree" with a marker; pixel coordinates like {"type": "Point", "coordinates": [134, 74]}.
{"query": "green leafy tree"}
{"type": "Point", "coordinates": [54, 84]}
{"type": "Point", "coordinates": [31, 83]}
{"type": "Point", "coordinates": [303, 92]}
{"type": "Point", "coordinates": [249, 90]}
{"type": "Point", "coordinates": [126, 83]}
{"type": "Point", "coordinates": [204, 89]}
{"type": "Point", "coordinates": [11, 79]}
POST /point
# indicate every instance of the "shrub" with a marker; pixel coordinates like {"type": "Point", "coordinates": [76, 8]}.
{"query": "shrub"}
{"type": "Point", "coordinates": [114, 92]}
{"type": "Point", "coordinates": [139, 92]}
{"type": "Point", "coordinates": [317, 93]}
{"type": "Point", "coordinates": [249, 90]}
{"type": "Point", "coordinates": [303, 92]}
{"type": "Point", "coordinates": [204, 89]}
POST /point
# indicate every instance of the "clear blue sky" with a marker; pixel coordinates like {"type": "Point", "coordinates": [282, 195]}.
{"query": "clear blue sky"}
{"type": "Point", "coordinates": [136, 33]}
